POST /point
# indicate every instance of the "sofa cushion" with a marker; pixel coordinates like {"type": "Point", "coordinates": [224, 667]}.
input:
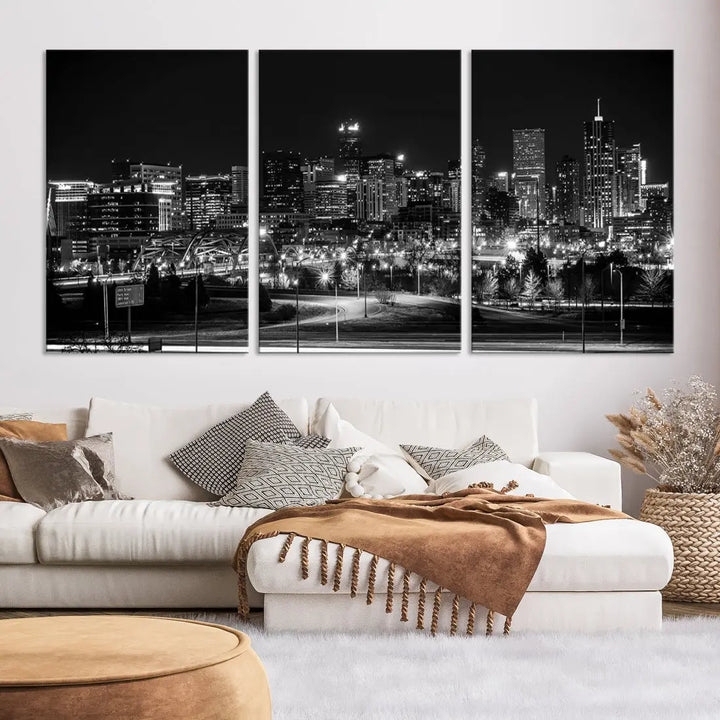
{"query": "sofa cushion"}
{"type": "Point", "coordinates": [145, 435]}
{"type": "Point", "coordinates": [142, 531]}
{"type": "Point", "coordinates": [605, 555]}
{"type": "Point", "coordinates": [512, 424]}
{"type": "Point", "coordinates": [17, 530]}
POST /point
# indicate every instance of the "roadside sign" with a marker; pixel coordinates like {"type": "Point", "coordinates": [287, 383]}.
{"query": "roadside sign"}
{"type": "Point", "coordinates": [129, 295]}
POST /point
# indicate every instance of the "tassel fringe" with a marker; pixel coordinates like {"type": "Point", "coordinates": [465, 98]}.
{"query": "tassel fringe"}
{"type": "Point", "coordinates": [324, 563]}
{"type": "Point", "coordinates": [286, 547]}
{"type": "Point", "coordinates": [355, 573]}
{"type": "Point", "coordinates": [338, 568]}
{"type": "Point", "coordinates": [490, 622]}
{"type": "Point", "coordinates": [455, 612]}
{"type": "Point", "coordinates": [471, 620]}
{"type": "Point", "coordinates": [371, 580]}
{"type": "Point", "coordinates": [405, 596]}
{"type": "Point", "coordinates": [304, 558]}
{"type": "Point", "coordinates": [506, 627]}
{"type": "Point", "coordinates": [421, 605]}
{"type": "Point", "coordinates": [436, 612]}
{"type": "Point", "coordinates": [390, 588]}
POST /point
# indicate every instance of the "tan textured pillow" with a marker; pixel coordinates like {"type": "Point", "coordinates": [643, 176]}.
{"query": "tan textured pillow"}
{"type": "Point", "coordinates": [25, 430]}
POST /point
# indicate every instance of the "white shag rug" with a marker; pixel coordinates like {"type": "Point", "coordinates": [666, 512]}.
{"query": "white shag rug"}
{"type": "Point", "coordinates": [670, 674]}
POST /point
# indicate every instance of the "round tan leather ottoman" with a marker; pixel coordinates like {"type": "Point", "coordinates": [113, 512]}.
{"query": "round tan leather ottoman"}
{"type": "Point", "coordinates": [129, 667]}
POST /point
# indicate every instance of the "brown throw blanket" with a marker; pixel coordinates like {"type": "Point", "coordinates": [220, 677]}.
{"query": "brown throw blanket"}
{"type": "Point", "coordinates": [479, 544]}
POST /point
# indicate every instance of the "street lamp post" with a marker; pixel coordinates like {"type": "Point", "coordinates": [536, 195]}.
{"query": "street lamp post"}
{"type": "Point", "coordinates": [337, 321]}
{"type": "Point", "coordinates": [622, 303]}
{"type": "Point", "coordinates": [197, 305]}
{"type": "Point", "coordinates": [365, 283]}
{"type": "Point", "coordinates": [584, 300]}
{"type": "Point", "coordinates": [297, 314]}
{"type": "Point", "coordinates": [537, 210]}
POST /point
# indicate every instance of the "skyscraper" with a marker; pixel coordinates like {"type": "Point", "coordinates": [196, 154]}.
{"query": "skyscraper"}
{"type": "Point", "coordinates": [568, 190]}
{"type": "Point", "coordinates": [282, 182]}
{"type": "Point", "coordinates": [239, 190]}
{"type": "Point", "coordinates": [206, 197]}
{"type": "Point", "coordinates": [382, 167]}
{"type": "Point", "coordinates": [142, 176]}
{"type": "Point", "coordinates": [529, 170]}
{"type": "Point", "coordinates": [478, 178]}
{"type": "Point", "coordinates": [330, 200]}
{"type": "Point", "coordinates": [629, 161]}
{"type": "Point", "coordinates": [349, 142]}
{"type": "Point", "coordinates": [600, 168]}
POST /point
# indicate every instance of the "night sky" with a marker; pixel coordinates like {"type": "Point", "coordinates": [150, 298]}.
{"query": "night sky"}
{"type": "Point", "coordinates": [557, 90]}
{"type": "Point", "coordinates": [405, 101]}
{"type": "Point", "coordinates": [182, 107]}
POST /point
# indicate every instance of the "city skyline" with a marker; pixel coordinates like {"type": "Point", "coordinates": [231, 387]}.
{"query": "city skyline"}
{"type": "Point", "coordinates": [391, 107]}
{"type": "Point", "coordinates": [174, 107]}
{"type": "Point", "coordinates": [635, 90]}
{"type": "Point", "coordinates": [572, 238]}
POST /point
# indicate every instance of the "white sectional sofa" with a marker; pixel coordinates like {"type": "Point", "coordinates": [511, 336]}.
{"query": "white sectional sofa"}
{"type": "Point", "coordinates": [168, 549]}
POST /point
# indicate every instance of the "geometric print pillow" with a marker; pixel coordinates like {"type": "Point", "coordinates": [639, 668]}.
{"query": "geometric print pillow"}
{"type": "Point", "coordinates": [277, 476]}
{"type": "Point", "coordinates": [213, 460]}
{"type": "Point", "coordinates": [435, 463]}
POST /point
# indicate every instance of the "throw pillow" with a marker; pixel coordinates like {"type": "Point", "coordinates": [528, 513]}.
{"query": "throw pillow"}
{"type": "Point", "coordinates": [276, 476]}
{"type": "Point", "coordinates": [213, 460]}
{"type": "Point", "coordinates": [501, 474]}
{"type": "Point", "coordinates": [24, 430]}
{"type": "Point", "coordinates": [12, 415]}
{"type": "Point", "coordinates": [52, 474]}
{"type": "Point", "coordinates": [434, 462]}
{"type": "Point", "coordinates": [377, 470]}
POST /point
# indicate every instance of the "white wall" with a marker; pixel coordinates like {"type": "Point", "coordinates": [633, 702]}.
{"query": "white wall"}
{"type": "Point", "coordinates": [574, 391]}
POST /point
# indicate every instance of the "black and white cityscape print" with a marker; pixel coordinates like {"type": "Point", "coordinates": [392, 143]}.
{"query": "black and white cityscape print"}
{"type": "Point", "coordinates": [572, 201]}
{"type": "Point", "coordinates": [359, 228]}
{"type": "Point", "coordinates": [147, 195]}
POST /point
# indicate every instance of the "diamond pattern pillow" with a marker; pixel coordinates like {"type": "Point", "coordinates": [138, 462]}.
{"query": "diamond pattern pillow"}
{"type": "Point", "coordinates": [276, 476]}
{"type": "Point", "coordinates": [434, 463]}
{"type": "Point", "coordinates": [213, 460]}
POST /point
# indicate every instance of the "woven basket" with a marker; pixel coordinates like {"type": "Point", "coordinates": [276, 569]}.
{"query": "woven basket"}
{"type": "Point", "coordinates": [692, 520]}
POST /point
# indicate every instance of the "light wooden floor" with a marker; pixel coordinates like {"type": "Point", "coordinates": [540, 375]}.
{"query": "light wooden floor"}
{"type": "Point", "coordinates": [670, 609]}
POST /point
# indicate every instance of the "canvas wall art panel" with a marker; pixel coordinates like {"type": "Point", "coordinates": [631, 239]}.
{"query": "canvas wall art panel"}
{"type": "Point", "coordinates": [359, 226]}
{"type": "Point", "coordinates": [572, 201]}
{"type": "Point", "coordinates": [146, 201]}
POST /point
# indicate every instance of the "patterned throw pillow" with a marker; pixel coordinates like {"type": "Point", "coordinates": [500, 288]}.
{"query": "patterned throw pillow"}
{"type": "Point", "coordinates": [213, 460]}
{"type": "Point", "coordinates": [312, 442]}
{"type": "Point", "coordinates": [434, 462]}
{"type": "Point", "coordinates": [276, 476]}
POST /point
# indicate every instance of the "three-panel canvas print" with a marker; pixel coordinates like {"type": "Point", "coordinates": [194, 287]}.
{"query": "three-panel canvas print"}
{"type": "Point", "coordinates": [358, 239]}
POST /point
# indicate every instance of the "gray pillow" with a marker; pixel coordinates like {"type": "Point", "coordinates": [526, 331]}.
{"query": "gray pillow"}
{"type": "Point", "coordinates": [275, 476]}
{"type": "Point", "coordinates": [52, 474]}
{"type": "Point", "coordinates": [15, 416]}
{"type": "Point", "coordinates": [434, 463]}
{"type": "Point", "coordinates": [213, 460]}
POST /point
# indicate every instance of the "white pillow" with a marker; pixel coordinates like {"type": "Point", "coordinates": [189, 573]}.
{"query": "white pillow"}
{"type": "Point", "coordinates": [376, 470]}
{"type": "Point", "coordinates": [500, 473]}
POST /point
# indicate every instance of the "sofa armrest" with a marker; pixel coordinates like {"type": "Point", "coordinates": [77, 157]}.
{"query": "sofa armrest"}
{"type": "Point", "coordinates": [588, 477]}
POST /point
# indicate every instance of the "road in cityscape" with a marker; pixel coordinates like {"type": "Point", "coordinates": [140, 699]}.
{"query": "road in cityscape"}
{"type": "Point", "coordinates": [410, 323]}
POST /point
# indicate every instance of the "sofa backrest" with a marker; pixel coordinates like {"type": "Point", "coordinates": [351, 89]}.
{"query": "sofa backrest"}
{"type": "Point", "coordinates": [444, 423]}
{"type": "Point", "coordinates": [144, 436]}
